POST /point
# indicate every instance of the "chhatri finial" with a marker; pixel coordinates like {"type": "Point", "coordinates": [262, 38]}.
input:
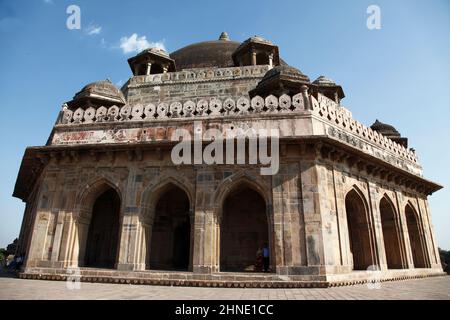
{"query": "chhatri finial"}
{"type": "Point", "coordinates": [224, 36]}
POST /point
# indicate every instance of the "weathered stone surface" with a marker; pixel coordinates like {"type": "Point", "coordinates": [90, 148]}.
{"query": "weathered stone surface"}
{"type": "Point", "coordinates": [342, 195]}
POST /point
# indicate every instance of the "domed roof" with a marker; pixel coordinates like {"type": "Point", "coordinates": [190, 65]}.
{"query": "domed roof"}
{"type": "Point", "coordinates": [279, 80]}
{"type": "Point", "coordinates": [285, 71]}
{"type": "Point", "coordinates": [324, 81]}
{"type": "Point", "coordinates": [101, 90]}
{"type": "Point", "coordinates": [384, 129]}
{"type": "Point", "coordinates": [207, 54]}
{"type": "Point", "coordinates": [154, 50]}
{"type": "Point", "coordinates": [329, 88]}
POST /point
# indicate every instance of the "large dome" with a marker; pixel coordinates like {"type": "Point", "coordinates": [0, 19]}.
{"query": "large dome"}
{"type": "Point", "coordinates": [207, 54]}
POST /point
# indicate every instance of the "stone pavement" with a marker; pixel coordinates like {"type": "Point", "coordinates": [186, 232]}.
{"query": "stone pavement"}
{"type": "Point", "coordinates": [428, 288]}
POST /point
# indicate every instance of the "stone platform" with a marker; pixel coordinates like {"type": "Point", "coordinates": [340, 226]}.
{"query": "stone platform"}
{"type": "Point", "coordinates": [225, 279]}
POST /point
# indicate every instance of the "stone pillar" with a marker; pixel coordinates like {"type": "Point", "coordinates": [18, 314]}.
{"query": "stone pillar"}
{"type": "Point", "coordinates": [36, 251]}
{"type": "Point", "coordinates": [191, 239]}
{"type": "Point", "coordinates": [346, 259]}
{"type": "Point", "coordinates": [307, 103]}
{"type": "Point", "coordinates": [286, 225]}
{"type": "Point", "coordinates": [67, 248]}
{"type": "Point", "coordinates": [333, 218]}
{"type": "Point", "coordinates": [405, 234]}
{"type": "Point", "coordinates": [253, 57]}
{"type": "Point", "coordinates": [270, 55]}
{"type": "Point", "coordinates": [131, 236]}
{"type": "Point", "coordinates": [311, 205]}
{"type": "Point", "coordinates": [424, 234]}
{"type": "Point", "coordinates": [57, 238]}
{"type": "Point", "coordinates": [379, 254]}
{"type": "Point", "coordinates": [149, 68]}
{"type": "Point", "coordinates": [204, 255]}
{"type": "Point", "coordinates": [132, 233]}
{"type": "Point", "coordinates": [433, 247]}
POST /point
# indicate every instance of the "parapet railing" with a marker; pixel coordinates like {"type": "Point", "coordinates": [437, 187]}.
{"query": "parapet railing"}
{"type": "Point", "coordinates": [322, 107]}
{"type": "Point", "coordinates": [201, 74]}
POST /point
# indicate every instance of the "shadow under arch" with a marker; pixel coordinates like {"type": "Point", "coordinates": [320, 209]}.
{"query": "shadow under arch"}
{"type": "Point", "coordinates": [98, 224]}
{"type": "Point", "coordinates": [359, 229]}
{"type": "Point", "coordinates": [168, 221]}
{"type": "Point", "coordinates": [245, 224]}
{"type": "Point", "coordinates": [416, 238]}
{"type": "Point", "coordinates": [392, 235]}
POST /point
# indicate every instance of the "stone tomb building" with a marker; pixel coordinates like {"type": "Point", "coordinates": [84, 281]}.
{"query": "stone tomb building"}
{"type": "Point", "coordinates": [105, 202]}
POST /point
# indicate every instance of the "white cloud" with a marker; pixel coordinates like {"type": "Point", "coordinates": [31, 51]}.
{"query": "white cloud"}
{"type": "Point", "coordinates": [48, 1]}
{"type": "Point", "coordinates": [134, 43]}
{"type": "Point", "coordinates": [93, 29]}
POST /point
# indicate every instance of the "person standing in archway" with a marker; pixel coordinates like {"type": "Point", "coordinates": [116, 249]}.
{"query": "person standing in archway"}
{"type": "Point", "coordinates": [259, 264]}
{"type": "Point", "coordinates": [266, 257]}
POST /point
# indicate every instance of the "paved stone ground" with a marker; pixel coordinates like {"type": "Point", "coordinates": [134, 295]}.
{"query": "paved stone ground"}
{"type": "Point", "coordinates": [428, 288]}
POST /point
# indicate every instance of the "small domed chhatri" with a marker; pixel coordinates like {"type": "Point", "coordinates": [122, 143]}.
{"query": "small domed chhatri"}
{"type": "Point", "coordinates": [97, 94]}
{"type": "Point", "coordinates": [106, 196]}
{"type": "Point", "coordinates": [389, 132]}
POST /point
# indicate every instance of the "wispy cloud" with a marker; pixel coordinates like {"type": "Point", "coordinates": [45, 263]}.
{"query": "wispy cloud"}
{"type": "Point", "coordinates": [48, 1]}
{"type": "Point", "coordinates": [134, 43]}
{"type": "Point", "coordinates": [93, 29]}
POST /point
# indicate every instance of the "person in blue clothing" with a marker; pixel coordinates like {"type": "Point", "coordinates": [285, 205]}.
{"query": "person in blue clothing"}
{"type": "Point", "coordinates": [266, 257]}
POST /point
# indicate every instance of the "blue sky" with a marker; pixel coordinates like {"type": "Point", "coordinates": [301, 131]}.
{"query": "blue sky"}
{"type": "Point", "coordinates": [399, 74]}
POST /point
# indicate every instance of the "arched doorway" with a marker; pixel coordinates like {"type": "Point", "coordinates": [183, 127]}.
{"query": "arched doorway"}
{"type": "Point", "coordinates": [170, 243]}
{"type": "Point", "coordinates": [417, 248]}
{"type": "Point", "coordinates": [391, 235]}
{"type": "Point", "coordinates": [359, 231]}
{"type": "Point", "coordinates": [243, 229]}
{"type": "Point", "coordinates": [104, 228]}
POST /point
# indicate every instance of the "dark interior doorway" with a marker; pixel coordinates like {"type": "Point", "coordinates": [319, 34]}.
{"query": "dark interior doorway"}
{"type": "Point", "coordinates": [171, 232]}
{"type": "Point", "coordinates": [417, 248]}
{"type": "Point", "coordinates": [359, 232]}
{"type": "Point", "coordinates": [391, 235]}
{"type": "Point", "coordinates": [243, 230]}
{"type": "Point", "coordinates": [103, 234]}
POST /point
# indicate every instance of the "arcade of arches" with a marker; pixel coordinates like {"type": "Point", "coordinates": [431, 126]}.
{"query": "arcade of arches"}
{"type": "Point", "coordinates": [244, 229]}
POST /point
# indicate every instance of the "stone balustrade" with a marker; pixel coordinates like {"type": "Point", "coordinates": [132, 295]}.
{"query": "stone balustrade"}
{"type": "Point", "coordinates": [322, 107]}
{"type": "Point", "coordinates": [206, 74]}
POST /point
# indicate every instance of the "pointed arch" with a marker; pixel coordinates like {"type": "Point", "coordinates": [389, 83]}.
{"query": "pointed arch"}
{"type": "Point", "coordinates": [416, 239]}
{"type": "Point", "coordinates": [241, 178]}
{"type": "Point", "coordinates": [168, 218]}
{"type": "Point", "coordinates": [154, 190]}
{"type": "Point", "coordinates": [390, 225]}
{"type": "Point", "coordinates": [98, 223]}
{"type": "Point", "coordinates": [359, 229]}
{"type": "Point", "coordinates": [245, 224]}
{"type": "Point", "coordinates": [89, 193]}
